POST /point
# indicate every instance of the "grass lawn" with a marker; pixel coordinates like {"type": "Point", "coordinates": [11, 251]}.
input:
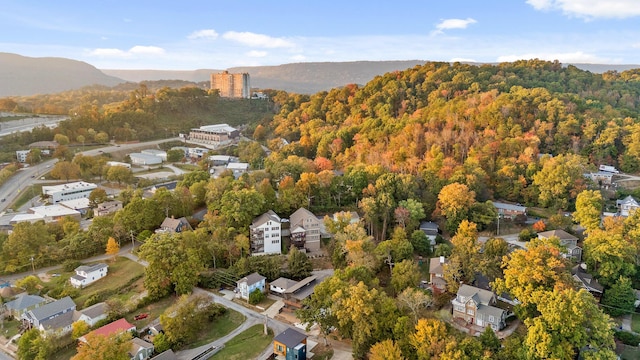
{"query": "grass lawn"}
{"type": "Point", "coordinates": [220, 327]}
{"type": "Point", "coordinates": [121, 272]}
{"type": "Point", "coordinates": [630, 353]}
{"type": "Point", "coordinates": [186, 167]}
{"type": "Point", "coordinates": [10, 328]}
{"type": "Point", "coordinates": [65, 353]}
{"type": "Point", "coordinates": [154, 310]}
{"type": "Point", "coordinates": [26, 195]}
{"type": "Point", "coordinates": [635, 323]}
{"type": "Point", "coordinates": [238, 348]}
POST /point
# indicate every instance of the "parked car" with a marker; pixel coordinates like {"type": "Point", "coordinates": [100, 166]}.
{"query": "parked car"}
{"type": "Point", "coordinates": [140, 316]}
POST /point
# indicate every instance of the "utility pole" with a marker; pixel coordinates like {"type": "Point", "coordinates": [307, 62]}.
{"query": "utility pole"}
{"type": "Point", "coordinates": [33, 267]}
{"type": "Point", "coordinates": [498, 228]}
{"type": "Point", "coordinates": [133, 245]}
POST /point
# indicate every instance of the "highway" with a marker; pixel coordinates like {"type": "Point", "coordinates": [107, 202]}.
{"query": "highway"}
{"type": "Point", "coordinates": [27, 124]}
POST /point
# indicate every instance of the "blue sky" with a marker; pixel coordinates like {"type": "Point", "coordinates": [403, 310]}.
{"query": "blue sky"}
{"type": "Point", "coordinates": [189, 35]}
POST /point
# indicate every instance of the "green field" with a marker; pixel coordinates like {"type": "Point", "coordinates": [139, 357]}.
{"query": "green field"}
{"type": "Point", "coordinates": [237, 348]}
{"type": "Point", "coordinates": [220, 327]}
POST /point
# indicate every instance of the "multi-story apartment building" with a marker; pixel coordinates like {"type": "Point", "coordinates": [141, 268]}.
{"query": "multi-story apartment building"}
{"type": "Point", "coordinates": [266, 234]}
{"type": "Point", "coordinates": [232, 85]}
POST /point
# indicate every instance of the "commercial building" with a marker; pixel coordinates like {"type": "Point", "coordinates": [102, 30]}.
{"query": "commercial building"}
{"type": "Point", "coordinates": [155, 152]}
{"type": "Point", "coordinates": [217, 134]}
{"type": "Point", "coordinates": [117, 163]}
{"type": "Point", "coordinates": [144, 159]}
{"type": "Point", "coordinates": [232, 85]}
{"type": "Point", "coordinates": [70, 191]}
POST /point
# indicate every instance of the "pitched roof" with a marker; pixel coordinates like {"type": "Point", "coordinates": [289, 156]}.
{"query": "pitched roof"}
{"type": "Point", "coordinates": [290, 337]}
{"type": "Point", "coordinates": [118, 326]}
{"type": "Point", "coordinates": [269, 215]}
{"type": "Point", "coordinates": [58, 322]}
{"type": "Point", "coordinates": [560, 234]}
{"type": "Point", "coordinates": [586, 279]}
{"type": "Point", "coordinates": [300, 284]}
{"type": "Point", "coordinates": [24, 301]}
{"type": "Point", "coordinates": [512, 207]}
{"type": "Point", "coordinates": [91, 268]}
{"type": "Point", "coordinates": [95, 310]}
{"type": "Point", "coordinates": [173, 224]}
{"type": "Point", "coordinates": [53, 308]}
{"type": "Point", "coordinates": [138, 344]}
{"type": "Point", "coordinates": [480, 296]}
{"type": "Point", "coordinates": [283, 283]}
{"type": "Point", "coordinates": [629, 200]}
{"type": "Point", "coordinates": [252, 278]}
{"type": "Point", "coordinates": [435, 265]}
{"type": "Point", "coordinates": [167, 355]}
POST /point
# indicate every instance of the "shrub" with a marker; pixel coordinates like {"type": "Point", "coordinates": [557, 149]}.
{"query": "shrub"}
{"type": "Point", "coordinates": [526, 235]}
{"type": "Point", "coordinates": [627, 338]}
{"type": "Point", "coordinates": [70, 265]}
{"type": "Point", "coordinates": [256, 296]}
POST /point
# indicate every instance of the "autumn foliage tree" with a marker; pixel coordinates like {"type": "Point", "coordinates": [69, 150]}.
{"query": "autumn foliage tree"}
{"type": "Point", "coordinates": [112, 247]}
{"type": "Point", "coordinates": [101, 347]}
{"type": "Point", "coordinates": [454, 203]}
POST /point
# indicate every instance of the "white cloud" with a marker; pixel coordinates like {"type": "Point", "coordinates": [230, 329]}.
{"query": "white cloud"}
{"type": "Point", "coordinates": [590, 9]}
{"type": "Point", "coordinates": [462, 60]}
{"type": "Point", "coordinates": [257, 40]}
{"type": "Point", "coordinates": [574, 57]}
{"type": "Point", "coordinates": [298, 58]}
{"type": "Point", "coordinates": [256, 53]}
{"type": "Point", "coordinates": [108, 52]}
{"type": "Point", "coordinates": [136, 50]}
{"type": "Point", "coordinates": [455, 24]}
{"type": "Point", "coordinates": [146, 50]}
{"type": "Point", "coordinates": [206, 34]}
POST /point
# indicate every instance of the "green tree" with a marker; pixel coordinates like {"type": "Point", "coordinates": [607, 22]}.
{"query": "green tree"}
{"type": "Point", "coordinates": [193, 177]}
{"type": "Point", "coordinates": [119, 174]}
{"type": "Point", "coordinates": [173, 265]}
{"type": "Point", "coordinates": [175, 155]}
{"type": "Point", "coordinates": [183, 321]}
{"type": "Point", "coordinates": [466, 249]}
{"type": "Point", "coordinates": [421, 243]}
{"type": "Point", "coordinates": [97, 196]}
{"type": "Point", "coordinates": [29, 284]}
{"type": "Point", "coordinates": [405, 274]}
{"type": "Point", "coordinates": [489, 340]}
{"type": "Point", "coordinates": [589, 205]}
{"type": "Point", "coordinates": [493, 251]}
{"type": "Point", "coordinates": [560, 180]}
{"type": "Point", "coordinates": [414, 300]}
{"type": "Point", "coordinates": [298, 264]}
{"type": "Point", "coordinates": [620, 298]}
{"type": "Point", "coordinates": [61, 139]}
{"type": "Point", "coordinates": [256, 296]}
{"type": "Point", "coordinates": [569, 320]}
{"type": "Point", "coordinates": [33, 345]}
{"type": "Point", "coordinates": [65, 170]}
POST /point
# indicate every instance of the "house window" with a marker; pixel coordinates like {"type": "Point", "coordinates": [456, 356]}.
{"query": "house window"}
{"type": "Point", "coordinates": [470, 311]}
{"type": "Point", "coordinates": [459, 308]}
{"type": "Point", "coordinates": [491, 318]}
{"type": "Point", "coordinates": [279, 348]}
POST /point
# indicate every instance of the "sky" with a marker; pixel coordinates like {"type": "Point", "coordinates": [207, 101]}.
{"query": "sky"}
{"type": "Point", "coordinates": [220, 34]}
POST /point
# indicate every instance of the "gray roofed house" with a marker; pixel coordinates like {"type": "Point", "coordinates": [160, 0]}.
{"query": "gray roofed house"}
{"type": "Point", "coordinates": [23, 303]}
{"type": "Point", "coordinates": [43, 314]}
{"type": "Point", "coordinates": [586, 280]}
{"type": "Point", "coordinates": [92, 314]}
{"type": "Point", "coordinates": [167, 355]}
{"type": "Point", "coordinates": [567, 240]}
{"type": "Point", "coordinates": [509, 211]}
{"type": "Point", "coordinates": [290, 342]}
{"type": "Point", "coordinates": [627, 205]}
{"type": "Point", "coordinates": [436, 273]}
{"type": "Point", "coordinates": [249, 283]}
{"type": "Point", "coordinates": [281, 284]}
{"type": "Point", "coordinates": [60, 324]}
{"type": "Point", "coordinates": [140, 349]}
{"type": "Point", "coordinates": [173, 225]}
{"type": "Point", "coordinates": [476, 306]}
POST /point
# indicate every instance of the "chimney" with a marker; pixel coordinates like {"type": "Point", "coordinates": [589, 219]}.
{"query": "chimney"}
{"type": "Point", "coordinates": [441, 259]}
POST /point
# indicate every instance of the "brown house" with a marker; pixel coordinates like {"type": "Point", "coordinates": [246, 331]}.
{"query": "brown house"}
{"type": "Point", "coordinates": [436, 273]}
{"type": "Point", "coordinates": [476, 306]}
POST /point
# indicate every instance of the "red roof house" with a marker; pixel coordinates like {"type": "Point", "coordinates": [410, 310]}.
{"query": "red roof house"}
{"type": "Point", "coordinates": [116, 327]}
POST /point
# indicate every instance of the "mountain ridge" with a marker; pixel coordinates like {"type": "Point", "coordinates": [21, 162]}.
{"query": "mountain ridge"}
{"type": "Point", "coordinates": [26, 76]}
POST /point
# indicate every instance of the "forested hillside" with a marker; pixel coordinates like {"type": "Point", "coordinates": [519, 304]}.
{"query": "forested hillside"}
{"type": "Point", "coordinates": [483, 126]}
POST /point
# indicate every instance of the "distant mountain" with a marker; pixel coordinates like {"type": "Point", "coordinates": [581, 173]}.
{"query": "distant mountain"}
{"type": "Point", "coordinates": [22, 76]}
{"type": "Point", "coordinates": [309, 78]}
{"type": "Point", "coordinates": [303, 78]}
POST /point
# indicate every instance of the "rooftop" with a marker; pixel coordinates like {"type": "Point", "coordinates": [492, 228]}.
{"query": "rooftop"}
{"type": "Point", "coordinates": [91, 268]}
{"type": "Point", "coordinates": [24, 301]}
{"type": "Point", "coordinates": [290, 337]}
{"type": "Point", "coordinates": [53, 211]}
{"type": "Point", "coordinates": [53, 308]}
{"type": "Point", "coordinates": [118, 326]}
{"type": "Point", "coordinates": [252, 278]}
{"type": "Point", "coordinates": [79, 185]}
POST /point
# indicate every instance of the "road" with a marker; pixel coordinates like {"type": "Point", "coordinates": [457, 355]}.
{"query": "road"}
{"type": "Point", "coordinates": [11, 189]}
{"type": "Point", "coordinates": [27, 124]}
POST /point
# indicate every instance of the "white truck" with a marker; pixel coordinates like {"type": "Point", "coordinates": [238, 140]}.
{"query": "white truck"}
{"type": "Point", "coordinates": [609, 168]}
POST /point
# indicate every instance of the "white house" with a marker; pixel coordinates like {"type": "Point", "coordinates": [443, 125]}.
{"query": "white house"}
{"type": "Point", "coordinates": [238, 168]}
{"type": "Point", "coordinates": [92, 314]}
{"type": "Point", "coordinates": [250, 283]}
{"type": "Point", "coordinates": [266, 234]}
{"type": "Point", "coordinates": [87, 274]}
{"type": "Point", "coordinates": [69, 191]}
{"type": "Point", "coordinates": [281, 285]}
{"type": "Point", "coordinates": [627, 205]}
